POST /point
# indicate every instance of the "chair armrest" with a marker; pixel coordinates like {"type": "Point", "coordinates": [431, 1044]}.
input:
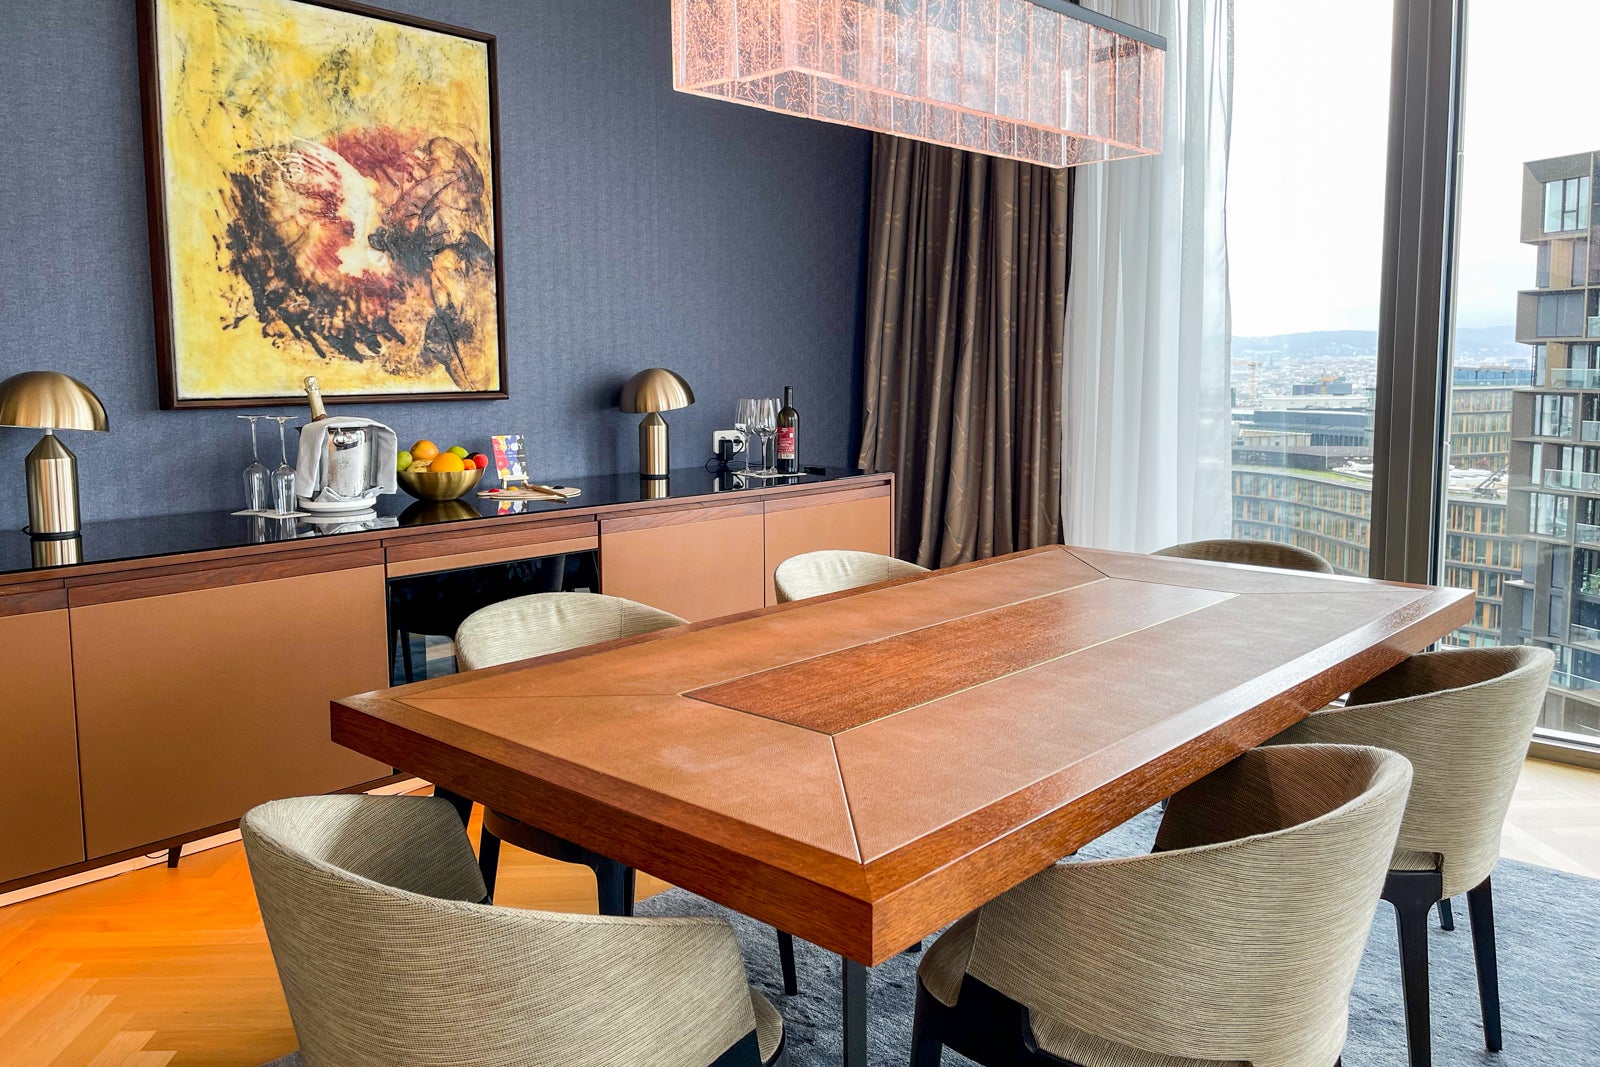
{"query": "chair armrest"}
{"type": "Point", "coordinates": [1251, 796]}
{"type": "Point", "coordinates": [668, 992]}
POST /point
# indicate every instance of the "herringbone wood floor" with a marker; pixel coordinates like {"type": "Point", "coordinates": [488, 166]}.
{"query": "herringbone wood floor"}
{"type": "Point", "coordinates": [160, 966]}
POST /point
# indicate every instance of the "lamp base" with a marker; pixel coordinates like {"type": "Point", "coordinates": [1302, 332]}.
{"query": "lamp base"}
{"type": "Point", "coordinates": [653, 450]}
{"type": "Point", "coordinates": [52, 472]}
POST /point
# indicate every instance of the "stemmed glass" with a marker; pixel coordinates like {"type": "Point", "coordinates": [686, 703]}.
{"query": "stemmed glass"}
{"type": "Point", "coordinates": [745, 422]}
{"type": "Point", "coordinates": [257, 482]}
{"type": "Point", "coordinates": [766, 426]}
{"type": "Point", "coordinates": [283, 477]}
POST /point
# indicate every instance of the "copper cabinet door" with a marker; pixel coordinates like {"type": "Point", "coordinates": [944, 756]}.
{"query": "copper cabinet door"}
{"type": "Point", "coordinates": [40, 812]}
{"type": "Point", "coordinates": [698, 564]}
{"type": "Point", "coordinates": [193, 706]}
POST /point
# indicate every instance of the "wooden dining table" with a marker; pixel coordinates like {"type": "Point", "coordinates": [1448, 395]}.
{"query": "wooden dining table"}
{"type": "Point", "coordinates": [864, 768]}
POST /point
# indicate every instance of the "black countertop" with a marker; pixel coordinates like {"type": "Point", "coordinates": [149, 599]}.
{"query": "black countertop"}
{"type": "Point", "coordinates": [166, 535]}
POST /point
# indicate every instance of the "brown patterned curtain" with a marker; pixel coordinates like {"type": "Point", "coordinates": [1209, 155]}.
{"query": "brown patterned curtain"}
{"type": "Point", "coordinates": [966, 318]}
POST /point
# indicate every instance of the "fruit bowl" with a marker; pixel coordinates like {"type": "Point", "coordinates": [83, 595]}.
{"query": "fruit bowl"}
{"type": "Point", "coordinates": [440, 485]}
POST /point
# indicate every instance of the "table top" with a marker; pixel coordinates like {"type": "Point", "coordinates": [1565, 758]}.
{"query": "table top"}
{"type": "Point", "coordinates": [863, 768]}
{"type": "Point", "coordinates": [130, 540]}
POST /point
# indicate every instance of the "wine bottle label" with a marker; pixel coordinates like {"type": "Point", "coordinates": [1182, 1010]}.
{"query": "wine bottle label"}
{"type": "Point", "coordinates": [786, 442]}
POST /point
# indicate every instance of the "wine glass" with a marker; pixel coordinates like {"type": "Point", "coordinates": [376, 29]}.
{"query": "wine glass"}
{"type": "Point", "coordinates": [283, 477]}
{"type": "Point", "coordinates": [257, 482]}
{"type": "Point", "coordinates": [766, 427]}
{"type": "Point", "coordinates": [745, 422]}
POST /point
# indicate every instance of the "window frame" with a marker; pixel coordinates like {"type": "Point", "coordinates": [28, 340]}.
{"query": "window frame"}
{"type": "Point", "coordinates": [1411, 419]}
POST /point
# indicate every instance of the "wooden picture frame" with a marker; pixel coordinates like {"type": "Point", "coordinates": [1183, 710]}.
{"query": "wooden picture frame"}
{"type": "Point", "coordinates": [380, 276]}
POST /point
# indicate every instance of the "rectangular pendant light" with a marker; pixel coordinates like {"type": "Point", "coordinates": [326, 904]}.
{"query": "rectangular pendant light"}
{"type": "Point", "coordinates": [1044, 81]}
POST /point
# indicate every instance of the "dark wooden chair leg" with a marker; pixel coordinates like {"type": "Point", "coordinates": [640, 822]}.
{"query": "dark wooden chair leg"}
{"type": "Point", "coordinates": [791, 981]}
{"type": "Point", "coordinates": [1447, 916]}
{"type": "Point", "coordinates": [613, 887]}
{"type": "Point", "coordinates": [489, 860]}
{"type": "Point", "coordinates": [1413, 895]}
{"type": "Point", "coordinates": [1480, 912]}
{"type": "Point", "coordinates": [174, 854]}
{"type": "Point", "coordinates": [926, 1049]}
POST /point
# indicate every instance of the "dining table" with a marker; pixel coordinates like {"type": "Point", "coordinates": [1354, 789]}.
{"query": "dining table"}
{"type": "Point", "coordinates": [864, 768]}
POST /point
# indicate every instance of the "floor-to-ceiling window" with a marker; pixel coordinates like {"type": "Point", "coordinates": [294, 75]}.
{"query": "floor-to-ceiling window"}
{"type": "Point", "coordinates": [1305, 249]}
{"type": "Point", "coordinates": [1521, 476]}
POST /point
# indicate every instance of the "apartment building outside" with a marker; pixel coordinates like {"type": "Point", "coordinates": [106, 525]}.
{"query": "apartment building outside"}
{"type": "Point", "coordinates": [1319, 497]}
{"type": "Point", "coordinates": [1554, 466]}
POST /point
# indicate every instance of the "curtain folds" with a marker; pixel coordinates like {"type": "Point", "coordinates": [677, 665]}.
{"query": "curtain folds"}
{"type": "Point", "coordinates": [1147, 406]}
{"type": "Point", "coordinates": [962, 377]}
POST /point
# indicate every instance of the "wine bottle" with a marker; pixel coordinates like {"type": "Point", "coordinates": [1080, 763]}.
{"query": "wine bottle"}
{"type": "Point", "coordinates": [788, 434]}
{"type": "Point", "coordinates": [314, 396]}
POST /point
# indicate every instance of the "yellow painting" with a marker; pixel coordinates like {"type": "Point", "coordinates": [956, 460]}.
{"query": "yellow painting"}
{"type": "Point", "coordinates": [325, 203]}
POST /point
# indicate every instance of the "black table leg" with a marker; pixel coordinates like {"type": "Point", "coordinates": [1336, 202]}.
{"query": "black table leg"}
{"type": "Point", "coordinates": [855, 1014]}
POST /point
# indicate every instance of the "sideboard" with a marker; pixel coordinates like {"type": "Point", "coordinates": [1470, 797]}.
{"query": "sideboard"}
{"type": "Point", "coordinates": [179, 670]}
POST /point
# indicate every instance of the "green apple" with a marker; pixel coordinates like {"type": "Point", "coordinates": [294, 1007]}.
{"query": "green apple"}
{"type": "Point", "coordinates": [403, 460]}
{"type": "Point", "coordinates": [459, 451]}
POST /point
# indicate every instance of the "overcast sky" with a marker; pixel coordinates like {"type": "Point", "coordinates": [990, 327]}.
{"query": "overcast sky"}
{"type": "Point", "coordinates": [1305, 203]}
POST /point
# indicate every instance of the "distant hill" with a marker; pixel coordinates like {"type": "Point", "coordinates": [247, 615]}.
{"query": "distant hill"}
{"type": "Point", "coordinates": [1476, 344]}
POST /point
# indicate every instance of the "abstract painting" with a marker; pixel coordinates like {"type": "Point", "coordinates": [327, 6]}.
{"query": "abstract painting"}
{"type": "Point", "coordinates": [324, 199]}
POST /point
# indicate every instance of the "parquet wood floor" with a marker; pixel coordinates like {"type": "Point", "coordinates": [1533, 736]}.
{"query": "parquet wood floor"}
{"type": "Point", "coordinates": [157, 966]}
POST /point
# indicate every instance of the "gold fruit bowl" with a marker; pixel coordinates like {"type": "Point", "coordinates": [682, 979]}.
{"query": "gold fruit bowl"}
{"type": "Point", "coordinates": [440, 485]}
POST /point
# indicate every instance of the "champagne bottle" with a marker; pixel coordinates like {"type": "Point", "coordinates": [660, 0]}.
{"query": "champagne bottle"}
{"type": "Point", "coordinates": [788, 434]}
{"type": "Point", "coordinates": [314, 396]}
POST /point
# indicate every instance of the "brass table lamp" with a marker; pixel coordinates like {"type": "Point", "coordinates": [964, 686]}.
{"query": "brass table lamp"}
{"type": "Point", "coordinates": [649, 393]}
{"type": "Point", "coordinates": [51, 401]}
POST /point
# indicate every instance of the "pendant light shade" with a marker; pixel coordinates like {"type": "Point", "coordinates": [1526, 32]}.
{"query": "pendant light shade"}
{"type": "Point", "coordinates": [1043, 81]}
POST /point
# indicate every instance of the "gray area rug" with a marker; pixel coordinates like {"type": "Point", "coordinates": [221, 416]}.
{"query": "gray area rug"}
{"type": "Point", "coordinates": [1548, 926]}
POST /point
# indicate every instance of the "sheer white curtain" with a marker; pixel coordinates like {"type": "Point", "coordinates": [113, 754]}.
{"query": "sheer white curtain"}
{"type": "Point", "coordinates": [1146, 411]}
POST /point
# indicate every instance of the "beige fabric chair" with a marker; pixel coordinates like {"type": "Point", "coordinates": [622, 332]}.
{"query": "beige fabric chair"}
{"type": "Point", "coordinates": [1464, 718]}
{"type": "Point", "coordinates": [540, 625]}
{"type": "Point", "coordinates": [387, 959]}
{"type": "Point", "coordinates": [833, 571]}
{"type": "Point", "coordinates": [545, 623]}
{"type": "Point", "coordinates": [1255, 553]}
{"type": "Point", "coordinates": [1195, 954]}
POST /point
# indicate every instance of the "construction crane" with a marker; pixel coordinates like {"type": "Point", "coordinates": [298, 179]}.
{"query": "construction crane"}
{"type": "Point", "coordinates": [1252, 364]}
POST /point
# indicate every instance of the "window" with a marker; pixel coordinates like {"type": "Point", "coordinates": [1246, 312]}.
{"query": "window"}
{"type": "Point", "coordinates": [1566, 204]}
{"type": "Point", "coordinates": [1305, 356]}
{"type": "Point", "coordinates": [1523, 214]}
{"type": "Point", "coordinates": [1560, 314]}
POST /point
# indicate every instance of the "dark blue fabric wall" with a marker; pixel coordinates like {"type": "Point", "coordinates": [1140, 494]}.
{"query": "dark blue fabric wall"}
{"type": "Point", "coordinates": [642, 228]}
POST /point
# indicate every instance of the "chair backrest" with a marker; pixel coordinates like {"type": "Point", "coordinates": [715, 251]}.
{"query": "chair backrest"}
{"type": "Point", "coordinates": [1255, 553]}
{"type": "Point", "coordinates": [835, 570]}
{"type": "Point", "coordinates": [544, 623]}
{"type": "Point", "coordinates": [1463, 717]}
{"type": "Point", "coordinates": [1203, 949]}
{"type": "Point", "coordinates": [384, 960]}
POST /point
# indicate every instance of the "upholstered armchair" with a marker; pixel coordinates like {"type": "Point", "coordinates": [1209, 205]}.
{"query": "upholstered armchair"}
{"type": "Point", "coordinates": [833, 571]}
{"type": "Point", "coordinates": [540, 625]}
{"type": "Point", "coordinates": [1196, 952]}
{"type": "Point", "coordinates": [1255, 553]}
{"type": "Point", "coordinates": [387, 955]}
{"type": "Point", "coordinates": [1464, 718]}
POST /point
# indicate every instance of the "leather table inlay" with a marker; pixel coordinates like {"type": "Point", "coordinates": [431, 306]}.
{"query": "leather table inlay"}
{"type": "Point", "coordinates": [864, 768]}
{"type": "Point", "coordinates": [826, 694]}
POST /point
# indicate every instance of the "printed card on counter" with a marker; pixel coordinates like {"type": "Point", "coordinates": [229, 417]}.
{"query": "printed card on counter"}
{"type": "Point", "coordinates": [510, 458]}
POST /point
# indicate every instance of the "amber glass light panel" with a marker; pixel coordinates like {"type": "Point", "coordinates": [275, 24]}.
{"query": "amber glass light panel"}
{"type": "Point", "coordinates": [1008, 78]}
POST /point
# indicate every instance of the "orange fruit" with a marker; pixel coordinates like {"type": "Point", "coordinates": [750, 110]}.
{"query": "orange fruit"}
{"type": "Point", "coordinates": [424, 450]}
{"type": "Point", "coordinates": [447, 463]}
